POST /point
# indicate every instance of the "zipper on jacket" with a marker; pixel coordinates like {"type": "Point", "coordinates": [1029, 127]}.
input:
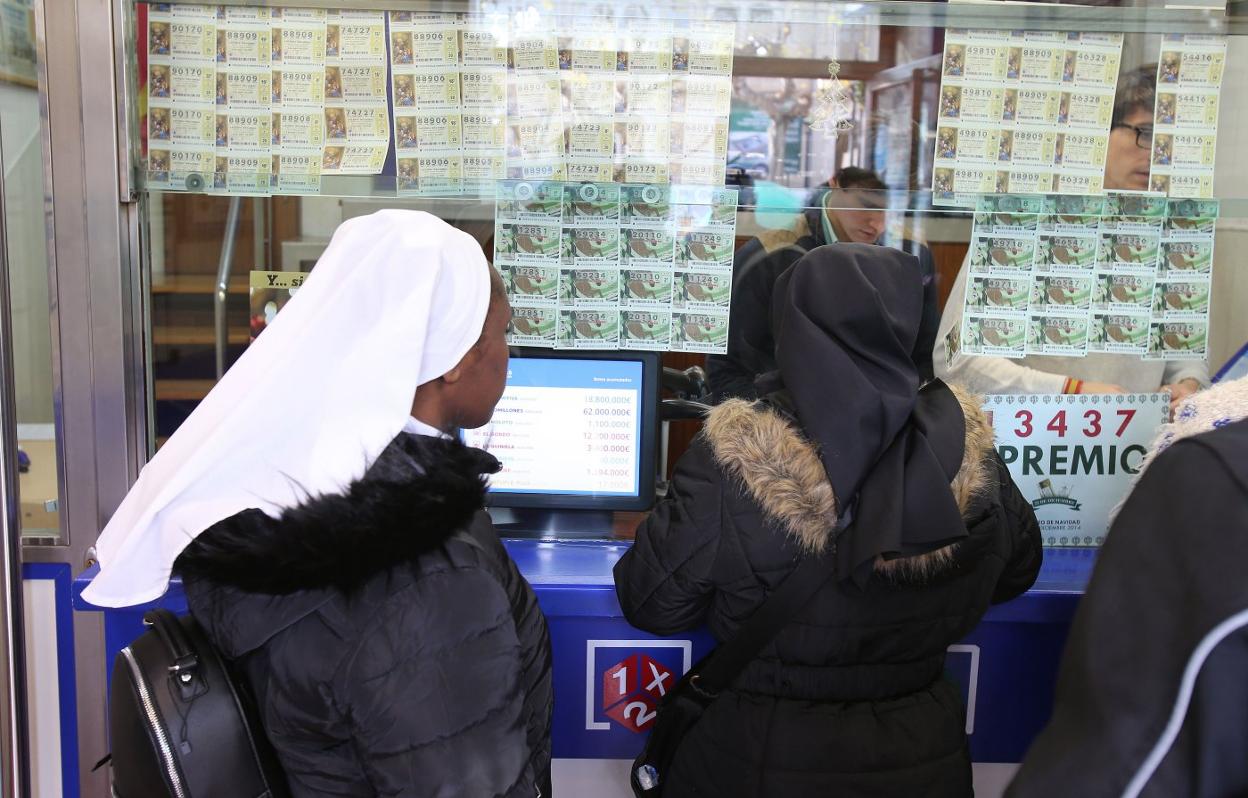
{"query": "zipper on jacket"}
{"type": "Point", "coordinates": [153, 720]}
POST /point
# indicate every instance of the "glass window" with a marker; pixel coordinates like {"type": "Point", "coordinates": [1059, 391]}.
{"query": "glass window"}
{"type": "Point", "coordinates": [25, 203]}
{"type": "Point", "coordinates": [906, 102]}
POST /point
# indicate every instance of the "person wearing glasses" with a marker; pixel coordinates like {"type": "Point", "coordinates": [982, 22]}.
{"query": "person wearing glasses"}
{"type": "Point", "coordinates": [1126, 169]}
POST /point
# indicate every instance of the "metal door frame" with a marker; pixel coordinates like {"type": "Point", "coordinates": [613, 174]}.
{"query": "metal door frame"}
{"type": "Point", "coordinates": [14, 739]}
{"type": "Point", "coordinates": [100, 379]}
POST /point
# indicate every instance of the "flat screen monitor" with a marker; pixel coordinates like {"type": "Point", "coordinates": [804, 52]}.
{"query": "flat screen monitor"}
{"type": "Point", "coordinates": [575, 430]}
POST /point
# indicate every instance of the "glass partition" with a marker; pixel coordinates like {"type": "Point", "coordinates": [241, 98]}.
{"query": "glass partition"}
{"type": "Point", "coordinates": [25, 202]}
{"type": "Point", "coordinates": [992, 141]}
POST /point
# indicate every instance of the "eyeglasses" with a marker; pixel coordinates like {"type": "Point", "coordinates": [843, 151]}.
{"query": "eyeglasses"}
{"type": "Point", "coordinates": [1143, 134]}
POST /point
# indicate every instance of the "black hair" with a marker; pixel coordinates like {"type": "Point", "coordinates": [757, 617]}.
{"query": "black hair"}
{"type": "Point", "coordinates": [1136, 91]}
{"type": "Point", "coordinates": [857, 177]}
{"type": "Point", "coordinates": [497, 289]}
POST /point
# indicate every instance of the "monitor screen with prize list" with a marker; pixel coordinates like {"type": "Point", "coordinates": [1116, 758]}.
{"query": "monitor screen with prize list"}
{"type": "Point", "coordinates": [567, 427]}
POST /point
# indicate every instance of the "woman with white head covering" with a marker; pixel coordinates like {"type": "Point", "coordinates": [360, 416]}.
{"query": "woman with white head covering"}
{"type": "Point", "coordinates": [330, 530]}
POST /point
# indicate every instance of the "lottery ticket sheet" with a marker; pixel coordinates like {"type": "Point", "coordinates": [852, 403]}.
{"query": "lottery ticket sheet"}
{"type": "Point", "coordinates": [183, 95]}
{"type": "Point", "coordinates": [297, 98]}
{"type": "Point", "coordinates": [1024, 112]}
{"type": "Point", "coordinates": [610, 265]}
{"type": "Point", "coordinates": [357, 115]}
{"type": "Point", "coordinates": [1185, 119]}
{"type": "Point", "coordinates": [257, 100]}
{"type": "Point", "coordinates": [1067, 275]}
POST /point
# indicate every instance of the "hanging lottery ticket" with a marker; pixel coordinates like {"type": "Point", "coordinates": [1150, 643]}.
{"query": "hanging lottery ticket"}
{"type": "Point", "coordinates": [243, 129]}
{"type": "Point", "coordinates": [183, 94]}
{"type": "Point", "coordinates": [357, 116]}
{"type": "Point", "coordinates": [1185, 119]}
{"type": "Point", "coordinates": [428, 121]}
{"type": "Point", "coordinates": [1180, 312]}
{"type": "Point", "coordinates": [1024, 112]}
{"type": "Point", "coordinates": [297, 103]}
{"type": "Point", "coordinates": [535, 140]}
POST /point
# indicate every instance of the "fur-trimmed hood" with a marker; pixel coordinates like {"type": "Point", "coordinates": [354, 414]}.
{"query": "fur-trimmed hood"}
{"type": "Point", "coordinates": [780, 469]}
{"type": "Point", "coordinates": [419, 492]}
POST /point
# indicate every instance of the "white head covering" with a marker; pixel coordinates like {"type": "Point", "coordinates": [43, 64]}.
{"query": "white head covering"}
{"type": "Point", "coordinates": [398, 298]}
{"type": "Point", "coordinates": [1214, 408]}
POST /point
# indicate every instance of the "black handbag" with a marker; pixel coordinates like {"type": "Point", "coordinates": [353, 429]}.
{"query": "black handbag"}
{"type": "Point", "coordinates": [684, 704]}
{"type": "Point", "coordinates": [182, 724]}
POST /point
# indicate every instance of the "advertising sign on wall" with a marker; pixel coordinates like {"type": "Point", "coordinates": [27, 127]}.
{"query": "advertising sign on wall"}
{"type": "Point", "coordinates": [1074, 456]}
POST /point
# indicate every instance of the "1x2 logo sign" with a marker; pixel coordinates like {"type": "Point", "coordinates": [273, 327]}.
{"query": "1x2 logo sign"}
{"type": "Point", "coordinates": [626, 679]}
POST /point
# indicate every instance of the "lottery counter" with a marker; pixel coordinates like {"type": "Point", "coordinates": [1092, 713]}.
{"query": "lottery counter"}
{"type": "Point", "coordinates": [608, 675]}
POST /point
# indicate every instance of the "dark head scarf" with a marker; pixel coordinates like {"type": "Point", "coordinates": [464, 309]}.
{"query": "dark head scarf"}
{"type": "Point", "coordinates": [846, 317]}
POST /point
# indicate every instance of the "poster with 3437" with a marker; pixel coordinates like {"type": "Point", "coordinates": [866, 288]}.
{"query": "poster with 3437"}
{"type": "Point", "coordinates": [1074, 457]}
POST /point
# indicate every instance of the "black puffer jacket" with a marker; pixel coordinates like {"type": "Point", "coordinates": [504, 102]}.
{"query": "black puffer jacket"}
{"type": "Point", "coordinates": [392, 645]}
{"type": "Point", "coordinates": [849, 698]}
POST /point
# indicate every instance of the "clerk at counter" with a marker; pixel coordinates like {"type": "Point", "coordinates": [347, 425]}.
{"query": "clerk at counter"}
{"type": "Point", "coordinates": [1126, 168]}
{"type": "Point", "coordinates": [849, 209]}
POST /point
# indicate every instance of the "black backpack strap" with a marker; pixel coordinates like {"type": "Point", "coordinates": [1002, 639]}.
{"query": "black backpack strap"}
{"type": "Point", "coordinates": [169, 629]}
{"type": "Point", "coordinates": [793, 594]}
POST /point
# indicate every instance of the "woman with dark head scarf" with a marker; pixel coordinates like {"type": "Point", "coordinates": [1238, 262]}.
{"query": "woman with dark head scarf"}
{"type": "Point", "coordinates": [897, 484]}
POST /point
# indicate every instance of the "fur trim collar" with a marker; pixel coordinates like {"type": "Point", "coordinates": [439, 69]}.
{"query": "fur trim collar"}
{"type": "Point", "coordinates": [781, 470]}
{"type": "Point", "coordinates": [419, 492]}
{"type": "Point", "coordinates": [778, 467]}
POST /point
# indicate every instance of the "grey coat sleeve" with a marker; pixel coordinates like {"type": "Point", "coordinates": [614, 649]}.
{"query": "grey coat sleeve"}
{"type": "Point", "coordinates": [1179, 370]}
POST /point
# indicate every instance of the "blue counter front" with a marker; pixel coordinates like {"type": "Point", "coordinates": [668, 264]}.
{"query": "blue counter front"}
{"type": "Point", "coordinates": [608, 675]}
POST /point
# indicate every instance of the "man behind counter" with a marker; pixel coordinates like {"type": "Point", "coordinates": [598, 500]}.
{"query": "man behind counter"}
{"type": "Point", "coordinates": [1126, 169]}
{"type": "Point", "coordinates": [850, 209]}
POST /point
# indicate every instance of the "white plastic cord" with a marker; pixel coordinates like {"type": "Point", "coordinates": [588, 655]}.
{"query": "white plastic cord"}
{"type": "Point", "coordinates": [1171, 733]}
